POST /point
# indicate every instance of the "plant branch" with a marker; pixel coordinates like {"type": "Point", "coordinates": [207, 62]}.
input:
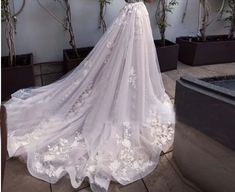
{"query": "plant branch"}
{"type": "Point", "coordinates": [9, 30]}
{"type": "Point", "coordinates": [185, 11]}
{"type": "Point", "coordinates": [163, 7]}
{"type": "Point", "coordinates": [103, 7]}
{"type": "Point", "coordinates": [52, 15]}
{"type": "Point", "coordinates": [66, 23]}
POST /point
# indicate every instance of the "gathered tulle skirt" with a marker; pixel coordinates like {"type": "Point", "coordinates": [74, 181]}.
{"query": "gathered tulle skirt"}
{"type": "Point", "coordinates": [109, 119]}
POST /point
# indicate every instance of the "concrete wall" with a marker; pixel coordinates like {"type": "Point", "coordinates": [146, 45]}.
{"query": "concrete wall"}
{"type": "Point", "coordinates": [37, 32]}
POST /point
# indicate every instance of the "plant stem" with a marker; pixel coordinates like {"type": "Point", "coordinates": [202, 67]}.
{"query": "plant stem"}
{"type": "Point", "coordinates": [204, 20]}
{"type": "Point", "coordinates": [67, 24]}
{"type": "Point", "coordinates": [9, 32]}
{"type": "Point", "coordinates": [232, 27]}
{"type": "Point", "coordinates": [102, 23]}
{"type": "Point", "coordinates": [70, 28]}
{"type": "Point", "coordinates": [163, 28]}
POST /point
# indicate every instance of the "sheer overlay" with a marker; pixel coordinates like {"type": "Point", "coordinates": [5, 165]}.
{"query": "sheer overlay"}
{"type": "Point", "coordinates": [109, 119]}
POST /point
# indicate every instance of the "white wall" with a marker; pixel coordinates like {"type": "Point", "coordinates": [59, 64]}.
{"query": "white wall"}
{"type": "Point", "coordinates": [40, 34]}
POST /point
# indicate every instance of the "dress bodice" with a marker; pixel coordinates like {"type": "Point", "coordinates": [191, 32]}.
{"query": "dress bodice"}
{"type": "Point", "coordinates": [133, 1]}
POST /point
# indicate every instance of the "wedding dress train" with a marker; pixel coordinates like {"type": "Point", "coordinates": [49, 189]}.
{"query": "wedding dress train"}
{"type": "Point", "coordinates": [109, 119]}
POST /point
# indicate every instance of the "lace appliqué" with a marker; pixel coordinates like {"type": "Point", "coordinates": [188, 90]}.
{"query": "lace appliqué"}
{"type": "Point", "coordinates": [50, 162]}
{"type": "Point", "coordinates": [22, 94]}
{"type": "Point", "coordinates": [130, 158]}
{"type": "Point", "coordinates": [132, 77]}
{"type": "Point", "coordinates": [73, 86]}
{"type": "Point", "coordinates": [161, 132]}
{"type": "Point", "coordinates": [134, 1]}
{"type": "Point", "coordinates": [80, 101]}
{"type": "Point", "coordinates": [18, 141]}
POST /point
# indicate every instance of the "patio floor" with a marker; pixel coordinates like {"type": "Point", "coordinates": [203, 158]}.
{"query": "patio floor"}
{"type": "Point", "coordinates": [165, 178]}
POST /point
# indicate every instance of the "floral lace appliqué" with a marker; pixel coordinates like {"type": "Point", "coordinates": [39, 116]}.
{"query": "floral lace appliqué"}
{"type": "Point", "coordinates": [80, 101]}
{"type": "Point", "coordinates": [162, 132]}
{"type": "Point", "coordinates": [48, 162]}
{"type": "Point", "coordinates": [132, 77]}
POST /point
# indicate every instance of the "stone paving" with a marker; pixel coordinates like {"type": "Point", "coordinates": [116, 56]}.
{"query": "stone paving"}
{"type": "Point", "coordinates": [165, 178]}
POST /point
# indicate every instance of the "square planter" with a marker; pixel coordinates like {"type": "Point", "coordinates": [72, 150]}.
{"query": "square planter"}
{"type": "Point", "coordinates": [167, 56]}
{"type": "Point", "coordinates": [69, 59]}
{"type": "Point", "coordinates": [17, 77]}
{"type": "Point", "coordinates": [217, 49]}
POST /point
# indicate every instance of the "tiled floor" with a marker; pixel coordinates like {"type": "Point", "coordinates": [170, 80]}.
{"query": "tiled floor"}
{"type": "Point", "coordinates": [165, 178]}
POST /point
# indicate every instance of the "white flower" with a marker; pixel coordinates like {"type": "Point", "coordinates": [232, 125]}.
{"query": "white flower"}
{"type": "Point", "coordinates": [49, 157]}
{"type": "Point", "coordinates": [126, 124]}
{"type": "Point", "coordinates": [85, 72]}
{"type": "Point", "coordinates": [136, 165]}
{"type": "Point", "coordinates": [109, 44]}
{"type": "Point", "coordinates": [63, 142]}
{"type": "Point", "coordinates": [126, 143]}
{"type": "Point", "coordinates": [91, 168]}
{"type": "Point", "coordinates": [51, 171]}
{"type": "Point", "coordinates": [75, 143]}
{"type": "Point", "coordinates": [38, 167]}
{"type": "Point", "coordinates": [132, 77]}
{"type": "Point", "coordinates": [163, 140]}
{"type": "Point", "coordinates": [114, 165]}
{"type": "Point", "coordinates": [158, 131]}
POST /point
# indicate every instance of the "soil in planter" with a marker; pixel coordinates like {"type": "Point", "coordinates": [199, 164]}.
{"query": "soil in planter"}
{"type": "Point", "coordinates": [82, 52]}
{"type": "Point", "coordinates": [21, 60]}
{"type": "Point", "coordinates": [158, 43]}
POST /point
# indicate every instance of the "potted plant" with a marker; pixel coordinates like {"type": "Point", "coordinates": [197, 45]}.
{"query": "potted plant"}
{"type": "Point", "coordinates": [74, 56]}
{"type": "Point", "coordinates": [167, 51]}
{"type": "Point", "coordinates": [204, 49]}
{"type": "Point", "coordinates": [17, 70]}
{"type": "Point", "coordinates": [71, 60]}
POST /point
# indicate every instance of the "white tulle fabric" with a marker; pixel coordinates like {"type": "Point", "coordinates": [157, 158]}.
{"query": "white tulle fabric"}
{"type": "Point", "coordinates": [109, 119]}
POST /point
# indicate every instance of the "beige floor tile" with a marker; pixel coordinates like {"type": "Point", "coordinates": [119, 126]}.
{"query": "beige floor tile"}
{"type": "Point", "coordinates": [51, 78]}
{"type": "Point", "coordinates": [198, 72]}
{"type": "Point", "coordinates": [133, 187]}
{"type": "Point", "coordinates": [222, 69]}
{"type": "Point", "coordinates": [85, 190]}
{"type": "Point", "coordinates": [181, 65]}
{"type": "Point", "coordinates": [18, 179]}
{"type": "Point", "coordinates": [64, 185]}
{"type": "Point", "coordinates": [36, 69]}
{"type": "Point", "coordinates": [137, 186]}
{"type": "Point", "coordinates": [169, 85]}
{"type": "Point", "coordinates": [169, 157]}
{"type": "Point", "coordinates": [174, 75]}
{"type": "Point", "coordinates": [51, 67]}
{"type": "Point", "coordinates": [165, 179]}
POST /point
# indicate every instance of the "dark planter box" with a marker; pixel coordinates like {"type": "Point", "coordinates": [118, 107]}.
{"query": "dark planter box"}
{"type": "Point", "coordinates": [17, 77]}
{"type": "Point", "coordinates": [209, 106]}
{"type": "Point", "coordinates": [217, 49]}
{"type": "Point", "coordinates": [167, 56]}
{"type": "Point", "coordinates": [70, 61]}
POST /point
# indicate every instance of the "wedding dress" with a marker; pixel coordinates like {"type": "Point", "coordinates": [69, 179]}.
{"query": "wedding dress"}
{"type": "Point", "coordinates": [108, 120]}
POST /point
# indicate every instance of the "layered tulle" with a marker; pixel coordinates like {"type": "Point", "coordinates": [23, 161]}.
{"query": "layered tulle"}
{"type": "Point", "coordinates": [109, 119]}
